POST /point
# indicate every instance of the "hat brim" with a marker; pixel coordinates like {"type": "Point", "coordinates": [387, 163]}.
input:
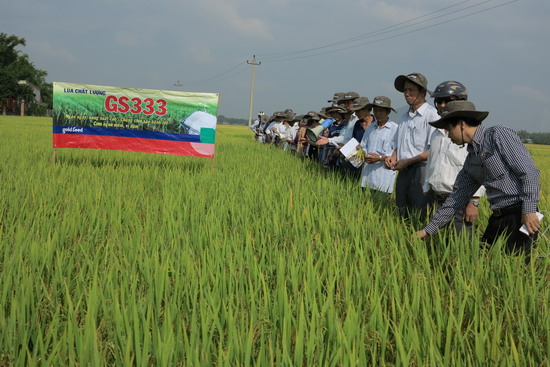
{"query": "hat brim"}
{"type": "Point", "coordinates": [335, 109]}
{"type": "Point", "coordinates": [372, 105]}
{"type": "Point", "coordinates": [399, 84]}
{"type": "Point", "coordinates": [442, 123]}
{"type": "Point", "coordinates": [359, 108]}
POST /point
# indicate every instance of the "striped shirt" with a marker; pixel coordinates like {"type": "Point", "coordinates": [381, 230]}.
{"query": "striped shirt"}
{"type": "Point", "coordinates": [498, 160]}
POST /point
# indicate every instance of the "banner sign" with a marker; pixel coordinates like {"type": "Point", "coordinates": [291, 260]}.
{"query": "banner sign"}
{"type": "Point", "coordinates": [138, 120]}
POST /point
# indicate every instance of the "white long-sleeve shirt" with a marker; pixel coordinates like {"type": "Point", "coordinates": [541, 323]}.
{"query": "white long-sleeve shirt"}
{"type": "Point", "coordinates": [446, 159]}
{"type": "Point", "coordinates": [346, 134]}
{"type": "Point", "coordinates": [290, 134]}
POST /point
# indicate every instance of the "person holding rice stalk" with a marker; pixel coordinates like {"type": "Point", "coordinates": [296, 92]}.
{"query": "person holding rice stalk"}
{"type": "Point", "coordinates": [498, 160]}
{"type": "Point", "coordinates": [378, 142]}
{"type": "Point", "coordinates": [412, 146]}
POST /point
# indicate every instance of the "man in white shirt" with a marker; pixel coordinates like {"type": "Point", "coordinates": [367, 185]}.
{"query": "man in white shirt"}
{"type": "Point", "coordinates": [289, 137]}
{"type": "Point", "coordinates": [257, 127]}
{"type": "Point", "coordinates": [447, 159]}
{"type": "Point", "coordinates": [269, 130]}
{"type": "Point", "coordinates": [412, 146]}
{"type": "Point", "coordinates": [378, 142]}
{"type": "Point", "coordinates": [278, 128]}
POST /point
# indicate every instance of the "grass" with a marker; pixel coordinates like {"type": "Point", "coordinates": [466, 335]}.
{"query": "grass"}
{"type": "Point", "coordinates": [121, 258]}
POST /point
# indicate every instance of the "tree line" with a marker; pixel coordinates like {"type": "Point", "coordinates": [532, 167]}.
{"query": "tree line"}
{"type": "Point", "coordinates": [18, 76]}
{"type": "Point", "coordinates": [231, 121]}
{"type": "Point", "coordinates": [534, 138]}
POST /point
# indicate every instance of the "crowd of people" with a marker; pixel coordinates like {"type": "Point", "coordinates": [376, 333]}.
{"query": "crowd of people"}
{"type": "Point", "coordinates": [436, 157]}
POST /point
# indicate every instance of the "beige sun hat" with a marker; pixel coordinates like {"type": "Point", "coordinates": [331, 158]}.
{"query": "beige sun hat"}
{"type": "Point", "coordinates": [360, 103]}
{"type": "Point", "coordinates": [382, 101]}
{"type": "Point", "coordinates": [415, 78]}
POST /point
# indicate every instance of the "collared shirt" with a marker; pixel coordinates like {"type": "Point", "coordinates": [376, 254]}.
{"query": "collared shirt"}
{"type": "Point", "coordinates": [346, 134]}
{"type": "Point", "coordinates": [290, 134]}
{"type": "Point", "coordinates": [414, 132]}
{"type": "Point", "coordinates": [280, 129]}
{"type": "Point", "coordinates": [379, 140]}
{"type": "Point", "coordinates": [444, 162]}
{"type": "Point", "coordinates": [255, 125]}
{"type": "Point", "coordinates": [270, 127]}
{"type": "Point", "coordinates": [498, 160]}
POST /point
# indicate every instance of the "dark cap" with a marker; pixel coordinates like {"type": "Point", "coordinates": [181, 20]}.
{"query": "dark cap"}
{"type": "Point", "coordinates": [459, 109]}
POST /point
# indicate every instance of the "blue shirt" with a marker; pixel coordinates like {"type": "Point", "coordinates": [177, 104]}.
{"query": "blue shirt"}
{"type": "Point", "coordinates": [414, 132]}
{"type": "Point", "coordinates": [498, 160]}
{"type": "Point", "coordinates": [379, 141]}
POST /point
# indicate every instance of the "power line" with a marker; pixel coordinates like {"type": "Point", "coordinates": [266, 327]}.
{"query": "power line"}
{"type": "Point", "coordinates": [295, 54]}
{"type": "Point", "coordinates": [337, 43]}
{"type": "Point", "coordinates": [220, 75]}
{"type": "Point", "coordinates": [300, 54]}
{"type": "Point", "coordinates": [225, 78]}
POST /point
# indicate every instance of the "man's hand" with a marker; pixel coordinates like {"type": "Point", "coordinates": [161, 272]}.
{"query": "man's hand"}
{"type": "Point", "coordinates": [401, 164]}
{"type": "Point", "coordinates": [531, 221]}
{"type": "Point", "coordinates": [422, 234]}
{"type": "Point", "coordinates": [323, 140]}
{"type": "Point", "coordinates": [371, 158]}
{"type": "Point", "coordinates": [471, 213]}
{"type": "Point", "coordinates": [389, 162]}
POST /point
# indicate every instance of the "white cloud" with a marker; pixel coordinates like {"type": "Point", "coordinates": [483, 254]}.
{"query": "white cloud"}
{"type": "Point", "coordinates": [227, 13]}
{"type": "Point", "coordinates": [531, 94]}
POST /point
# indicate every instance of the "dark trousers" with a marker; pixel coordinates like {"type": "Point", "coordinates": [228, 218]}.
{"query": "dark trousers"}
{"type": "Point", "coordinates": [507, 222]}
{"type": "Point", "coordinates": [409, 196]}
{"type": "Point", "coordinates": [349, 170]}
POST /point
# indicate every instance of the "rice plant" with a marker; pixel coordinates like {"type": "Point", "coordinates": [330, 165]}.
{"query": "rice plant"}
{"type": "Point", "coordinates": [259, 259]}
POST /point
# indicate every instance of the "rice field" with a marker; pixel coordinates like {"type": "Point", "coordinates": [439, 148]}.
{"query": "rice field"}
{"type": "Point", "coordinates": [259, 259]}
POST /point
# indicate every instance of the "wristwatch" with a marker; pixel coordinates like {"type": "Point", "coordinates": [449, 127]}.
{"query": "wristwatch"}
{"type": "Point", "coordinates": [474, 203]}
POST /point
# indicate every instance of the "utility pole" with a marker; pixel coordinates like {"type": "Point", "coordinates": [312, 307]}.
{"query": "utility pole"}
{"type": "Point", "coordinates": [253, 63]}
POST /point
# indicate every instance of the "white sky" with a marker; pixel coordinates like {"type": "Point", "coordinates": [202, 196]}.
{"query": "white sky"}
{"type": "Point", "coordinates": [501, 54]}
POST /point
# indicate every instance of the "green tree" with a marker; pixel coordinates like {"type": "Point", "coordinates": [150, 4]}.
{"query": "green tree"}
{"type": "Point", "coordinates": [16, 66]}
